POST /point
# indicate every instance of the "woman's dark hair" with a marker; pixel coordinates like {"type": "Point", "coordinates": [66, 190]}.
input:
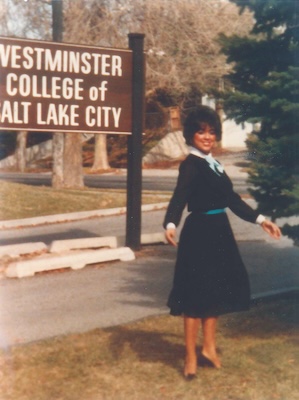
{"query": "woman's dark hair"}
{"type": "Point", "coordinates": [199, 116]}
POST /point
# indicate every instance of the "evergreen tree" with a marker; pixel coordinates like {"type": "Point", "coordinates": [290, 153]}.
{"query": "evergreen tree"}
{"type": "Point", "coordinates": [265, 83]}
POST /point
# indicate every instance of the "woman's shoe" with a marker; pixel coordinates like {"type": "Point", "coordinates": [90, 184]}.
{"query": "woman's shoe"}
{"type": "Point", "coordinates": [189, 377]}
{"type": "Point", "coordinates": [204, 361]}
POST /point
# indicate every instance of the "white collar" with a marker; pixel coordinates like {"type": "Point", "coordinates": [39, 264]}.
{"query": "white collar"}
{"type": "Point", "coordinates": [214, 165]}
{"type": "Point", "coordinates": [198, 153]}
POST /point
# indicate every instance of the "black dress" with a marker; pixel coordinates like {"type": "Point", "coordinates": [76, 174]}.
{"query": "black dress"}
{"type": "Point", "coordinates": [210, 278]}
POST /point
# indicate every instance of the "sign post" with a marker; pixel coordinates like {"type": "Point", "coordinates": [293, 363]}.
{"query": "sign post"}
{"type": "Point", "coordinates": [134, 167]}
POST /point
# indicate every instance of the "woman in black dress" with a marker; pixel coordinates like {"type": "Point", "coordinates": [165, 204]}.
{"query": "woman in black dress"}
{"type": "Point", "coordinates": [210, 278]}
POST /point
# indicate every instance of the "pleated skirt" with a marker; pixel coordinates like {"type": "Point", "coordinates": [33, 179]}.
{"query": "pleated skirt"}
{"type": "Point", "coordinates": [210, 278]}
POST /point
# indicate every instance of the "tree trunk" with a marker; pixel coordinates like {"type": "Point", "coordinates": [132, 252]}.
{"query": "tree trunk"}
{"type": "Point", "coordinates": [219, 110]}
{"type": "Point", "coordinates": [58, 138]}
{"type": "Point", "coordinates": [72, 165]}
{"type": "Point", "coordinates": [21, 150]}
{"type": "Point", "coordinates": [100, 153]}
{"type": "Point", "coordinates": [57, 172]}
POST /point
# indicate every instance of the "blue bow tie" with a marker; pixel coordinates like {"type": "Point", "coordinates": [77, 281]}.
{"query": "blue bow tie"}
{"type": "Point", "coordinates": [214, 165]}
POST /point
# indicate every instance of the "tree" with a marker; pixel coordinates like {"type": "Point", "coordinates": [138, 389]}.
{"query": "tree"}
{"type": "Point", "coordinates": [180, 38]}
{"type": "Point", "coordinates": [21, 150]}
{"type": "Point", "coordinates": [183, 58]}
{"type": "Point", "coordinates": [34, 19]}
{"type": "Point", "coordinates": [58, 141]}
{"type": "Point", "coordinates": [182, 50]}
{"type": "Point", "coordinates": [9, 12]}
{"type": "Point", "coordinates": [72, 169]}
{"type": "Point", "coordinates": [73, 163]}
{"type": "Point", "coordinates": [96, 29]}
{"type": "Point", "coordinates": [100, 153]}
{"type": "Point", "coordinates": [265, 82]}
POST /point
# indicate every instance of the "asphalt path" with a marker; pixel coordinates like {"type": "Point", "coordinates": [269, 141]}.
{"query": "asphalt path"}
{"type": "Point", "coordinates": [114, 225]}
{"type": "Point", "coordinates": [109, 181]}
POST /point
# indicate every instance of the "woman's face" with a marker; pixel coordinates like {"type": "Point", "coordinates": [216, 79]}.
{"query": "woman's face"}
{"type": "Point", "coordinates": [204, 139]}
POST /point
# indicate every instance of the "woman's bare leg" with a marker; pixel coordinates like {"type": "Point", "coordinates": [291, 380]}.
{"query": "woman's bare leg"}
{"type": "Point", "coordinates": [209, 340]}
{"type": "Point", "coordinates": [191, 326]}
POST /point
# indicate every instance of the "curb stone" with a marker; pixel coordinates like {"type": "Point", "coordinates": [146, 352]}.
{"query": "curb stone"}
{"type": "Point", "coordinates": [68, 217]}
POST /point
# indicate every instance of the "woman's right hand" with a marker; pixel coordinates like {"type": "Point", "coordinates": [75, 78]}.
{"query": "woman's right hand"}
{"type": "Point", "coordinates": [170, 235]}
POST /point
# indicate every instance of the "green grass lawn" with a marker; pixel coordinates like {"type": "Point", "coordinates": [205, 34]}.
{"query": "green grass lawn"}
{"type": "Point", "coordinates": [24, 201]}
{"type": "Point", "coordinates": [144, 361]}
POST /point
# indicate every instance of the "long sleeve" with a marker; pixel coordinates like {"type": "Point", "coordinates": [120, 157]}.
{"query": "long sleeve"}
{"type": "Point", "coordinates": [181, 194]}
{"type": "Point", "coordinates": [241, 208]}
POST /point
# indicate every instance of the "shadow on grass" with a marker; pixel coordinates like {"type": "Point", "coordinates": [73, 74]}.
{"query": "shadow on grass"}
{"type": "Point", "coordinates": [160, 340]}
{"type": "Point", "coordinates": [149, 347]}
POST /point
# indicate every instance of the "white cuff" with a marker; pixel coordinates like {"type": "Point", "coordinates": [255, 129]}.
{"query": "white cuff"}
{"type": "Point", "coordinates": [170, 225]}
{"type": "Point", "coordinates": [260, 219]}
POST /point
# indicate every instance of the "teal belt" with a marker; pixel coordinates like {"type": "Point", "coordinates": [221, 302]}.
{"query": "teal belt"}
{"type": "Point", "coordinates": [216, 211]}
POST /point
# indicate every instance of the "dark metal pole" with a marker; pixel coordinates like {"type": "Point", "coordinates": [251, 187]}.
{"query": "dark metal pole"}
{"type": "Point", "coordinates": [58, 137]}
{"type": "Point", "coordinates": [134, 165]}
{"type": "Point", "coordinates": [57, 20]}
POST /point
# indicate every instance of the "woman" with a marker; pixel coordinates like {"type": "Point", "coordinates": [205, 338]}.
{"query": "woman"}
{"type": "Point", "coordinates": [210, 278]}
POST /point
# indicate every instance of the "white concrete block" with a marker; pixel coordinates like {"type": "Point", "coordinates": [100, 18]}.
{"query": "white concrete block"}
{"type": "Point", "coordinates": [23, 248]}
{"type": "Point", "coordinates": [74, 260]}
{"type": "Point", "coordinates": [83, 243]}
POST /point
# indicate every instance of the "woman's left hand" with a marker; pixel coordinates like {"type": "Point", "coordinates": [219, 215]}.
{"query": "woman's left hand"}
{"type": "Point", "coordinates": [272, 229]}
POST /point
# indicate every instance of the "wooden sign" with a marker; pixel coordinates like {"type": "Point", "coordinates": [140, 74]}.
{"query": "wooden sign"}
{"type": "Point", "coordinates": [57, 87]}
